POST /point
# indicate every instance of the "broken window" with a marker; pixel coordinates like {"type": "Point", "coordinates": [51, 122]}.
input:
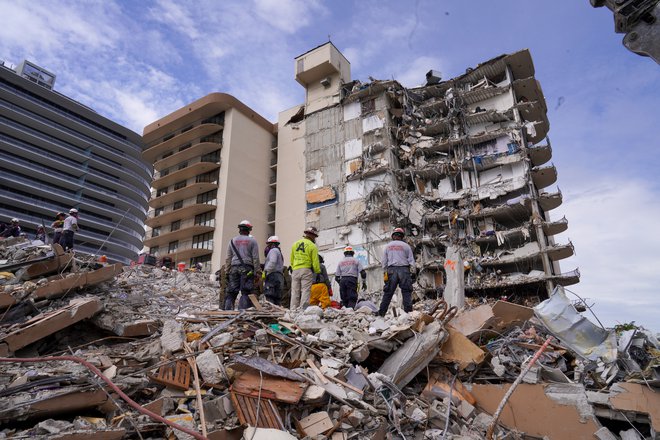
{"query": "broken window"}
{"type": "Point", "coordinates": [368, 106]}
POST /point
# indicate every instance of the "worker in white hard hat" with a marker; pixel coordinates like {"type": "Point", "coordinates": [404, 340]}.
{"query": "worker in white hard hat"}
{"type": "Point", "coordinates": [244, 267]}
{"type": "Point", "coordinates": [346, 275]}
{"type": "Point", "coordinates": [398, 263]}
{"type": "Point", "coordinates": [69, 228]}
{"type": "Point", "coordinates": [12, 230]}
{"type": "Point", "coordinates": [273, 270]}
{"type": "Point", "coordinates": [305, 265]}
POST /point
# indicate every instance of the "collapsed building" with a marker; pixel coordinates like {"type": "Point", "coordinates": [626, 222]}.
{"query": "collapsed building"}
{"type": "Point", "coordinates": [462, 164]}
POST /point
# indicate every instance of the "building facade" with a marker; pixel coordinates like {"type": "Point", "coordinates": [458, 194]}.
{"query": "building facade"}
{"type": "Point", "coordinates": [462, 165]}
{"type": "Point", "coordinates": [215, 162]}
{"type": "Point", "coordinates": [59, 154]}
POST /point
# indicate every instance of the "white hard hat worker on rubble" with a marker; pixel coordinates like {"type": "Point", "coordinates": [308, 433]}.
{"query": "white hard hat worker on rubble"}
{"type": "Point", "coordinates": [398, 263]}
{"type": "Point", "coordinates": [244, 267]}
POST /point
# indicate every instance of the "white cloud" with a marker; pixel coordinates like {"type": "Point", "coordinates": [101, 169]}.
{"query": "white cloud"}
{"type": "Point", "coordinates": [174, 15]}
{"type": "Point", "coordinates": [612, 224]}
{"type": "Point", "coordinates": [414, 73]}
{"type": "Point", "coordinates": [288, 15]}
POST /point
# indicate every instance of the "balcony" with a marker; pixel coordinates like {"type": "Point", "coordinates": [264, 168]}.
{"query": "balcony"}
{"type": "Point", "coordinates": [556, 227]}
{"type": "Point", "coordinates": [197, 149]}
{"type": "Point", "coordinates": [192, 170]}
{"type": "Point", "coordinates": [187, 250]}
{"type": "Point", "coordinates": [181, 194]}
{"type": "Point", "coordinates": [200, 131]}
{"type": "Point", "coordinates": [544, 176]}
{"type": "Point", "coordinates": [187, 230]}
{"type": "Point", "coordinates": [540, 154]}
{"type": "Point", "coordinates": [189, 210]}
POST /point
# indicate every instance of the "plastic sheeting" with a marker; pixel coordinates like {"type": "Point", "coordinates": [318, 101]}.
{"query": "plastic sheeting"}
{"type": "Point", "coordinates": [581, 335]}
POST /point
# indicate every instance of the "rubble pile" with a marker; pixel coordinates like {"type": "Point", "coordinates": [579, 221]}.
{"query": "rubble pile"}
{"type": "Point", "coordinates": [104, 351]}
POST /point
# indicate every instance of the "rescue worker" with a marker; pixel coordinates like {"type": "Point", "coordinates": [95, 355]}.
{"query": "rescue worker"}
{"type": "Point", "coordinates": [13, 230]}
{"type": "Point", "coordinates": [304, 265]}
{"type": "Point", "coordinates": [244, 269]}
{"type": "Point", "coordinates": [322, 288]}
{"type": "Point", "coordinates": [41, 234]}
{"type": "Point", "coordinates": [57, 226]}
{"type": "Point", "coordinates": [398, 264]}
{"type": "Point", "coordinates": [346, 276]}
{"type": "Point", "coordinates": [69, 228]}
{"type": "Point", "coordinates": [273, 268]}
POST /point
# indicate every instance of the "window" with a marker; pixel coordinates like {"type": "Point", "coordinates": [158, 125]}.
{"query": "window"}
{"type": "Point", "coordinates": [175, 226]}
{"type": "Point", "coordinates": [154, 250]}
{"type": "Point", "coordinates": [208, 197]}
{"type": "Point", "coordinates": [158, 211]}
{"type": "Point", "coordinates": [210, 177]}
{"type": "Point", "coordinates": [165, 172]}
{"type": "Point", "coordinates": [206, 219]}
{"type": "Point", "coordinates": [155, 232]}
{"type": "Point", "coordinates": [172, 247]}
{"type": "Point", "coordinates": [177, 205]}
{"type": "Point", "coordinates": [168, 154]}
{"type": "Point", "coordinates": [182, 165]}
{"type": "Point", "coordinates": [217, 119]}
{"type": "Point", "coordinates": [161, 192]}
{"type": "Point", "coordinates": [188, 128]}
{"type": "Point", "coordinates": [211, 157]}
{"type": "Point", "coordinates": [168, 137]}
{"type": "Point", "coordinates": [204, 259]}
{"type": "Point", "coordinates": [203, 241]}
{"type": "Point", "coordinates": [185, 147]}
{"type": "Point", "coordinates": [179, 185]}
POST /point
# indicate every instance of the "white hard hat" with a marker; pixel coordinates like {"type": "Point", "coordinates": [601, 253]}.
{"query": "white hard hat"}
{"type": "Point", "coordinates": [14, 220]}
{"type": "Point", "coordinates": [73, 211]}
{"type": "Point", "coordinates": [273, 239]}
{"type": "Point", "coordinates": [245, 224]}
{"type": "Point", "coordinates": [312, 231]}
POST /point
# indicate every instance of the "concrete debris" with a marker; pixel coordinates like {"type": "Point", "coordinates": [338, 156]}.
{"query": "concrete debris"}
{"type": "Point", "coordinates": [270, 372]}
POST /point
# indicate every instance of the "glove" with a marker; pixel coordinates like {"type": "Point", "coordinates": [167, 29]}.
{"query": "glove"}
{"type": "Point", "coordinates": [385, 276]}
{"type": "Point", "coordinates": [263, 275]}
{"type": "Point", "coordinates": [364, 286]}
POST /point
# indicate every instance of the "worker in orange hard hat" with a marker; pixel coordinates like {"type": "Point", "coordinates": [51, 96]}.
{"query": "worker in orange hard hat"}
{"type": "Point", "coordinates": [398, 264]}
{"type": "Point", "coordinates": [346, 275]}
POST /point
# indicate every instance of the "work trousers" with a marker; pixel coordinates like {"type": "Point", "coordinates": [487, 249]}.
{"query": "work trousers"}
{"type": "Point", "coordinates": [397, 276]}
{"type": "Point", "coordinates": [66, 240]}
{"type": "Point", "coordinates": [241, 279]}
{"type": "Point", "coordinates": [348, 291]}
{"type": "Point", "coordinates": [320, 296]}
{"type": "Point", "coordinates": [57, 236]}
{"type": "Point", "coordinates": [301, 287]}
{"type": "Point", "coordinates": [273, 285]}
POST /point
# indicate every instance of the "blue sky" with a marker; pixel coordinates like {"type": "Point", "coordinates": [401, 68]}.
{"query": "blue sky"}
{"type": "Point", "coordinates": [138, 61]}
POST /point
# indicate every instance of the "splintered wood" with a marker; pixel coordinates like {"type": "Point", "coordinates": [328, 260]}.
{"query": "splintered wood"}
{"type": "Point", "coordinates": [249, 408]}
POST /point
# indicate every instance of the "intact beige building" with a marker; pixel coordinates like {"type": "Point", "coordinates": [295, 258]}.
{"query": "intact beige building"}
{"type": "Point", "coordinates": [214, 165]}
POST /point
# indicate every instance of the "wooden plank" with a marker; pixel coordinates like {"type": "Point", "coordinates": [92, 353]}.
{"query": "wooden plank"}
{"type": "Point", "coordinates": [347, 385]}
{"type": "Point", "coordinates": [42, 268]}
{"type": "Point", "coordinates": [247, 408]}
{"type": "Point", "coordinates": [315, 369]}
{"type": "Point", "coordinates": [255, 302]}
{"type": "Point", "coordinates": [57, 287]}
{"type": "Point", "coordinates": [46, 324]}
{"type": "Point", "coordinates": [281, 390]}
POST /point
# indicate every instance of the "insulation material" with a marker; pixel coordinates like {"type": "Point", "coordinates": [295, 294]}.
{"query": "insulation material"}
{"type": "Point", "coordinates": [372, 122]}
{"type": "Point", "coordinates": [353, 166]}
{"type": "Point", "coordinates": [320, 195]}
{"type": "Point", "coordinates": [352, 111]}
{"type": "Point", "coordinates": [353, 148]}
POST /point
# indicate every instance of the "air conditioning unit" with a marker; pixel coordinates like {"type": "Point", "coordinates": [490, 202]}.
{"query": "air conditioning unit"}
{"type": "Point", "coordinates": [325, 82]}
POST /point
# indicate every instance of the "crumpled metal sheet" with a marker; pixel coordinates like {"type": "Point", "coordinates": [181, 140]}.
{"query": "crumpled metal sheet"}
{"type": "Point", "coordinates": [581, 335]}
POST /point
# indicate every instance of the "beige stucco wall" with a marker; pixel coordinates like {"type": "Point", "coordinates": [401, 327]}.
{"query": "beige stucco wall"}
{"type": "Point", "coordinates": [243, 186]}
{"type": "Point", "coordinates": [290, 208]}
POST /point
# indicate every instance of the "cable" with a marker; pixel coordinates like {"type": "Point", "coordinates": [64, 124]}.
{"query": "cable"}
{"type": "Point", "coordinates": [114, 387]}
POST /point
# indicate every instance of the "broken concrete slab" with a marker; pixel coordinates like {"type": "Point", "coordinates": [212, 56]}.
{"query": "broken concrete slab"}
{"type": "Point", "coordinates": [61, 284]}
{"type": "Point", "coordinates": [172, 336]}
{"type": "Point", "coordinates": [414, 355]}
{"type": "Point", "coordinates": [49, 403]}
{"type": "Point", "coordinates": [532, 411]}
{"type": "Point", "coordinates": [210, 367]}
{"type": "Point", "coordinates": [46, 324]}
{"type": "Point", "coordinates": [251, 433]}
{"type": "Point", "coordinates": [637, 398]}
